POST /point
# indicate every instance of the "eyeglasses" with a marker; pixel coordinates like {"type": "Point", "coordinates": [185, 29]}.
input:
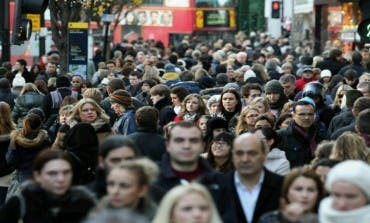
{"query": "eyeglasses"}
{"type": "Point", "coordinates": [220, 143]}
{"type": "Point", "coordinates": [340, 96]}
{"type": "Point", "coordinates": [252, 115]}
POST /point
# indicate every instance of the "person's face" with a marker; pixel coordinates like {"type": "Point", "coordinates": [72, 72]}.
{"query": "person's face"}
{"type": "Point", "coordinates": [156, 98]}
{"type": "Point", "coordinates": [88, 113]}
{"type": "Point", "coordinates": [111, 67]}
{"type": "Point", "coordinates": [220, 149]}
{"type": "Point", "coordinates": [304, 116]}
{"type": "Point", "coordinates": [17, 66]}
{"type": "Point", "coordinates": [55, 177]}
{"type": "Point", "coordinates": [134, 80]}
{"type": "Point", "coordinates": [185, 146]}
{"type": "Point", "coordinates": [287, 70]}
{"type": "Point", "coordinates": [261, 107]}
{"type": "Point", "coordinates": [289, 58]}
{"type": "Point", "coordinates": [285, 123]}
{"type": "Point", "coordinates": [51, 68]}
{"type": "Point", "coordinates": [214, 108]}
{"type": "Point", "coordinates": [350, 82]}
{"type": "Point", "coordinates": [262, 123]}
{"type": "Point", "coordinates": [365, 55]}
{"type": "Point", "coordinates": [218, 131]}
{"type": "Point", "coordinates": [145, 88]}
{"type": "Point", "coordinates": [347, 196]}
{"type": "Point", "coordinates": [192, 208]}
{"type": "Point", "coordinates": [76, 82]}
{"type": "Point", "coordinates": [175, 100]}
{"type": "Point", "coordinates": [62, 118]}
{"type": "Point", "coordinates": [307, 74]}
{"type": "Point", "coordinates": [192, 105]}
{"type": "Point", "coordinates": [253, 93]}
{"type": "Point", "coordinates": [364, 91]}
{"type": "Point", "coordinates": [322, 171]}
{"type": "Point", "coordinates": [123, 189]}
{"type": "Point", "coordinates": [203, 125]}
{"type": "Point", "coordinates": [117, 108]}
{"type": "Point", "coordinates": [289, 88]}
{"type": "Point", "coordinates": [229, 102]}
{"type": "Point", "coordinates": [303, 191]}
{"type": "Point", "coordinates": [250, 117]}
{"type": "Point", "coordinates": [248, 156]}
{"type": "Point", "coordinates": [273, 97]}
{"type": "Point", "coordinates": [115, 156]}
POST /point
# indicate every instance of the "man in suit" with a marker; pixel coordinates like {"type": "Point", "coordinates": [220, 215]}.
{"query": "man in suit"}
{"type": "Point", "coordinates": [256, 190]}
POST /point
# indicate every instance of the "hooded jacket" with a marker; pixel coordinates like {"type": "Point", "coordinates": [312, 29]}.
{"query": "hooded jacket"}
{"type": "Point", "coordinates": [277, 162]}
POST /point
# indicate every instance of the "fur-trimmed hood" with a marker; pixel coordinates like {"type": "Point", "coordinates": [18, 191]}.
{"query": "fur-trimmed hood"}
{"type": "Point", "coordinates": [19, 139]}
{"type": "Point", "coordinates": [97, 124]}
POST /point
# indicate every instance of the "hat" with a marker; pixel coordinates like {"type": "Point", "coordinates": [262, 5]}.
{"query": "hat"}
{"type": "Point", "coordinates": [325, 73]}
{"type": "Point", "coordinates": [18, 81]}
{"type": "Point", "coordinates": [231, 86]}
{"type": "Point", "coordinates": [351, 97]}
{"type": "Point", "coordinates": [351, 171]}
{"type": "Point", "coordinates": [121, 97]}
{"type": "Point", "coordinates": [217, 123]}
{"type": "Point", "coordinates": [274, 86]}
{"type": "Point", "coordinates": [308, 100]}
{"type": "Point", "coordinates": [307, 68]}
{"type": "Point", "coordinates": [63, 81]}
{"type": "Point", "coordinates": [4, 83]}
{"type": "Point", "coordinates": [169, 68]}
{"type": "Point", "coordinates": [248, 74]}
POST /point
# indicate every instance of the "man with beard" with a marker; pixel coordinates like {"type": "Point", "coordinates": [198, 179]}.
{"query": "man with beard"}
{"type": "Point", "coordinates": [275, 96]}
{"type": "Point", "coordinates": [299, 140]}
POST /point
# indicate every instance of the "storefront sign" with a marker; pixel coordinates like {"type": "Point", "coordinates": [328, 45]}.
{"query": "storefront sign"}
{"type": "Point", "coordinates": [77, 48]}
{"type": "Point", "coordinates": [215, 19]}
{"type": "Point", "coordinates": [303, 6]}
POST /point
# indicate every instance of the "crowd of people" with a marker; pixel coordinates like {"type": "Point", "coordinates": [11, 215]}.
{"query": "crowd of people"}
{"type": "Point", "coordinates": [246, 130]}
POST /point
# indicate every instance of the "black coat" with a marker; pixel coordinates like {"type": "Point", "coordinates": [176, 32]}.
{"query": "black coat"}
{"type": "Point", "coordinates": [215, 182]}
{"type": "Point", "coordinates": [166, 112]}
{"type": "Point", "coordinates": [149, 142]}
{"type": "Point", "coordinates": [7, 96]}
{"type": "Point", "coordinates": [340, 120]}
{"type": "Point", "coordinates": [333, 65]}
{"type": "Point", "coordinates": [40, 206]}
{"type": "Point", "coordinates": [340, 131]}
{"type": "Point", "coordinates": [296, 147]}
{"type": "Point", "coordinates": [268, 198]}
{"type": "Point", "coordinates": [5, 168]}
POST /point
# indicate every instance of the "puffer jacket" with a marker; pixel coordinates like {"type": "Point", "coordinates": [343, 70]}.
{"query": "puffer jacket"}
{"type": "Point", "coordinates": [277, 162]}
{"type": "Point", "coordinates": [23, 104]}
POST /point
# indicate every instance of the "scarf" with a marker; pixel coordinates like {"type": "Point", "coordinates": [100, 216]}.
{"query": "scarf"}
{"type": "Point", "coordinates": [190, 118]}
{"type": "Point", "coordinates": [19, 139]}
{"type": "Point", "coordinates": [97, 124]}
{"type": "Point", "coordinates": [309, 138]}
{"type": "Point", "coordinates": [329, 215]}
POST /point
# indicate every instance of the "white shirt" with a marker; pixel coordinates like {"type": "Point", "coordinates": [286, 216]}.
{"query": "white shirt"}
{"type": "Point", "coordinates": [248, 198]}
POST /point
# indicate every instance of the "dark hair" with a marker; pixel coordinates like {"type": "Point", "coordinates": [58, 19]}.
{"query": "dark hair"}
{"type": "Point", "coordinates": [350, 74]}
{"type": "Point", "coordinates": [302, 102]}
{"type": "Point", "coordinates": [266, 116]}
{"type": "Point", "coordinates": [245, 89]}
{"type": "Point", "coordinates": [356, 57]}
{"type": "Point", "coordinates": [147, 116]}
{"type": "Point", "coordinates": [149, 82]}
{"type": "Point", "coordinates": [238, 107]}
{"type": "Point", "coordinates": [305, 172]}
{"type": "Point", "coordinates": [22, 62]}
{"type": "Point", "coordinates": [48, 155]}
{"type": "Point", "coordinates": [361, 104]}
{"type": "Point", "coordinates": [183, 124]}
{"type": "Point", "coordinates": [362, 122]}
{"type": "Point", "coordinates": [180, 91]}
{"type": "Point", "coordinates": [161, 90]}
{"type": "Point", "coordinates": [269, 134]}
{"type": "Point", "coordinates": [187, 76]}
{"type": "Point", "coordinates": [115, 142]}
{"type": "Point", "coordinates": [31, 122]}
{"type": "Point", "coordinates": [281, 119]}
{"type": "Point", "coordinates": [228, 138]}
{"type": "Point", "coordinates": [325, 162]}
{"type": "Point", "coordinates": [136, 74]}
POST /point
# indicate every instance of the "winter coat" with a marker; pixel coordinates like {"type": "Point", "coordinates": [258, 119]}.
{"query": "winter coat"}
{"type": "Point", "coordinates": [340, 131]}
{"type": "Point", "coordinates": [5, 168]}
{"type": "Point", "coordinates": [277, 217]}
{"type": "Point", "coordinates": [296, 147]}
{"type": "Point", "coordinates": [277, 162]}
{"type": "Point", "coordinates": [125, 124]}
{"type": "Point", "coordinates": [341, 120]}
{"type": "Point", "coordinates": [154, 145]}
{"type": "Point", "coordinates": [23, 104]}
{"type": "Point", "coordinates": [191, 86]}
{"type": "Point", "coordinates": [23, 150]}
{"type": "Point", "coordinates": [357, 67]}
{"type": "Point", "coordinates": [166, 112]}
{"type": "Point", "coordinates": [102, 128]}
{"type": "Point", "coordinates": [7, 96]}
{"type": "Point", "coordinates": [331, 64]}
{"type": "Point", "coordinates": [41, 206]}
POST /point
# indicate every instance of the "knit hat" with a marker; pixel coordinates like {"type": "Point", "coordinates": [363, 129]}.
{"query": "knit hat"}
{"type": "Point", "coordinates": [351, 96]}
{"type": "Point", "coordinates": [351, 171]}
{"type": "Point", "coordinates": [325, 73]}
{"type": "Point", "coordinates": [63, 81]}
{"type": "Point", "coordinates": [18, 81]}
{"type": "Point", "coordinates": [121, 97]}
{"type": "Point", "coordinates": [274, 86]}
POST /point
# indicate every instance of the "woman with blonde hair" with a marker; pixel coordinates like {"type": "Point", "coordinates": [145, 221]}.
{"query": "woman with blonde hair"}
{"type": "Point", "coordinates": [339, 96]}
{"type": "Point", "coordinates": [262, 73]}
{"type": "Point", "coordinates": [350, 146]}
{"type": "Point", "coordinates": [93, 93]}
{"type": "Point", "coordinates": [87, 110]}
{"type": "Point", "coordinates": [6, 126]}
{"type": "Point", "coordinates": [192, 108]}
{"type": "Point", "coordinates": [247, 120]}
{"type": "Point", "coordinates": [261, 104]}
{"type": "Point", "coordinates": [187, 203]}
{"type": "Point", "coordinates": [29, 97]}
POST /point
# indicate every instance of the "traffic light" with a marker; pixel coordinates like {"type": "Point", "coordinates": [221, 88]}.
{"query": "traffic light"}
{"type": "Point", "coordinates": [22, 28]}
{"type": "Point", "coordinates": [275, 9]}
{"type": "Point", "coordinates": [364, 27]}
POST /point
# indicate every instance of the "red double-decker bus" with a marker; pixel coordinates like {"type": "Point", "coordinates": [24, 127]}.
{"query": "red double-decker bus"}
{"type": "Point", "coordinates": [170, 20]}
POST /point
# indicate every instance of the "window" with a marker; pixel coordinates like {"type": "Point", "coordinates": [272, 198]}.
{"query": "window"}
{"type": "Point", "coordinates": [152, 2]}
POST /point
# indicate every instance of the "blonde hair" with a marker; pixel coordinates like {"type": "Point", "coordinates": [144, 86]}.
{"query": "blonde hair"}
{"type": "Point", "coordinates": [202, 108]}
{"type": "Point", "coordinates": [166, 207]}
{"type": "Point", "coordinates": [264, 102]}
{"type": "Point", "coordinates": [93, 93]}
{"type": "Point", "coordinates": [30, 87]}
{"type": "Point", "coordinates": [343, 87]}
{"type": "Point", "coordinates": [262, 70]}
{"type": "Point", "coordinates": [350, 146]}
{"type": "Point", "coordinates": [6, 122]}
{"type": "Point", "coordinates": [242, 125]}
{"type": "Point", "coordinates": [75, 114]}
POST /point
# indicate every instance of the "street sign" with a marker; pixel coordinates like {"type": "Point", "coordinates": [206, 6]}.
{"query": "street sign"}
{"type": "Point", "coordinates": [36, 20]}
{"type": "Point", "coordinates": [364, 30]}
{"type": "Point", "coordinates": [77, 48]}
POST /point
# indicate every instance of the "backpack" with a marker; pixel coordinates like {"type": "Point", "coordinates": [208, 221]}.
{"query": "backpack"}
{"type": "Point", "coordinates": [57, 99]}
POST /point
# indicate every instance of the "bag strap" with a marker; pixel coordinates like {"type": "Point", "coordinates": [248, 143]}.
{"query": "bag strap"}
{"type": "Point", "coordinates": [22, 207]}
{"type": "Point", "coordinates": [80, 161]}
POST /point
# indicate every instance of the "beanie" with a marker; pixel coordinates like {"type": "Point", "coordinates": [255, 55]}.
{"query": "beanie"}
{"type": "Point", "coordinates": [351, 171]}
{"type": "Point", "coordinates": [62, 81]}
{"type": "Point", "coordinates": [121, 97]}
{"type": "Point", "coordinates": [18, 81]}
{"type": "Point", "coordinates": [169, 68]}
{"type": "Point", "coordinates": [325, 73]}
{"type": "Point", "coordinates": [274, 86]}
{"type": "Point", "coordinates": [351, 96]}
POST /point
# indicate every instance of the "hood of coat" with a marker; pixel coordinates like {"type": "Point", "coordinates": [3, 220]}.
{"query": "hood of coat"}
{"type": "Point", "coordinates": [18, 138]}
